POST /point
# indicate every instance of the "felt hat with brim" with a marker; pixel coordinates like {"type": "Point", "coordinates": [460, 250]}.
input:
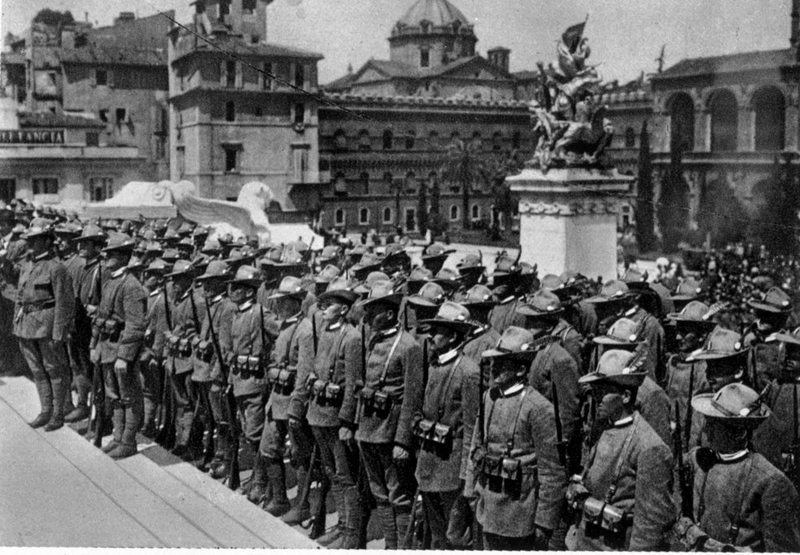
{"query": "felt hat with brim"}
{"type": "Point", "coordinates": [329, 252]}
{"type": "Point", "coordinates": [448, 279]}
{"type": "Point", "coordinates": [157, 266]}
{"type": "Point", "coordinates": [734, 405]}
{"type": "Point", "coordinates": [339, 291]}
{"type": "Point", "coordinates": [216, 269]}
{"type": "Point", "coordinates": [430, 295]}
{"type": "Point", "coordinates": [471, 263]}
{"type": "Point", "coordinates": [635, 279]}
{"type": "Point", "coordinates": [515, 344]}
{"type": "Point", "coordinates": [369, 263]}
{"type": "Point", "coordinates": [363, 288]}
{"type": "Point", "coordinates": [618, 368]}
{"type": "Point", "coordinates": [211, 246]}
{"type": "Point", "coordinates": [688, 290]}
{"type": "Point", "coordinates": [419, 274]}
{"type": "Point", "coordinates": [40, 227]}
{"type": "Point", "coordinates": [290, 286]}
{"type": "Point", "coordinates": [382, 292]}
{"type": "Point", "coordinates": [119, 242]}
{"type": "Point", "coordinates": [543, 304]}
{"type": "Point", "coordinates": [171, 255]}
{"type": "Point", "coordinates": [611, 291]}
{"type": "Point", "coordinates": [479, 297]}
{"type": "Point", "coordinates": [180, 269]}
{"type": "Point", "coordinates": [552, 282]}
{"type": "Point", "coordinates": [136, 264]}
{"type": "Point", "coordinates": [451, 315]}
{"type": "Point", "coordinates": [721, 343]}
{"type": "Point", "coordinates": [623, 332]}
{"type": "Point", "coordinates": [248, 275]}
{"type": "Point", "coordinates": [68, 230]}
{"type": "Point", "coordinates": [775, 301]}
{"type": "Point", "coordinates": [694, 313]}
{"type": "Point", "coordinates": [240, 256]}
{"type": "Point", "coordinates": [328, 274]}
{"type": "Point", "coordinates": [790, 338]}
{"type": "Point", "coordinates": [436, 249]}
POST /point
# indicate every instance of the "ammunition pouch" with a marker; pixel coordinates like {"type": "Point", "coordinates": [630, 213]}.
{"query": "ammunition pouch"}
{"type": "Point", "coordinates": [434, 437]}
{"type": "Point", "coordinates": [110, 330]}
{"type": "Point", "coordinates": [284, 382]}
{"type": "Point", "coordinates": [504, 475]}
{"type": "Point", "coordinates": [246, 367]}
{"type": "Point", "coordinates": [788, 462]}
{"type": "Point", "coordinates": [184, 347]}
{"type": "Point", "coordinates": [376, 402]}
{"type": "Point", "coordinates": [172, 341]}
{"type": "Point", "coordinates": [204, 351]}
{"type": "Point", "coordinates": [327, 394]}
{"type": "Point", "coordinates": [149, 338]}
{"type": "Point", "coordinates": [602, 518]}
{"type": "Point", "coordinates": [272, 375]}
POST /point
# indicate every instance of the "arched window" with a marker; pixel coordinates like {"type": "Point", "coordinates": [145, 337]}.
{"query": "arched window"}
{"type": "Point", "coordinates": [724, 121]}
{"type": "Point", "coordinates": [364, 142]}
{"type": "Point", "coordinates": [339, 217]}
{"type": "Point", "coordinates": [476, 212]}
{"type": "Point", "coordinates": [388, 182]}
{"type": "Point", "coordinates": [388, 138]}
{"type": "Point", "coordinates": [363, 216]}
{"type": "Point", "coordinates": [340, 184]}
{"type": "Point", "coordinates": [453, 212]}
{"type": "Point", "coordinates": [364, 179]}
{"type": "Point", "coordinates": [340, 139]}
{"type": "Point", "coordinates": [497, 141]}
{"type": "Point", "coordinates": [411, 183]}
{"type": "Point", "coordinates": [411, 139]}
{"type": "Point", "coordinates": [770, 111]}
{"type": "Point", "coordinates": [426, 26]}
{"type": "Point", "coordinates": [681, 112]}
{"type": "Point", "coordinates": [630, 138]}
{"type": "Point", "coordinates": [387, 215]}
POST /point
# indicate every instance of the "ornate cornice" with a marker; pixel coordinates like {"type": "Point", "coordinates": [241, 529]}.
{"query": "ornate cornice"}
{"type": "Point", "coordinates": [566, 209]}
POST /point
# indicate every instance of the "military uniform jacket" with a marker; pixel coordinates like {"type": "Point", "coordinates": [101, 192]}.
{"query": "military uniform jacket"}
{"type": "Point", "coordinates": [485, 338]}
{"type": "Point", "coordinates": [293, 350]}
{"type": "Point", "coordinates": [776, 434]}
{"type": "Point", "coordinates": [249, 340]}
{"type": "Point", "coordinates": [644, 487]}
{"type": "Point", "coordinates": [653, 333]}
{"type": "Point", "coordinates": [763, 357]}
{"type": "Point", "coordinates": [403, 383]}
{"type": "Point", "coordinates": [124, 300]}
{"type": "Point", "coordinates": [222, 311]}
{"type": "Point", "coordinates": [45, 303]}
{"type": "Point", "coordinates": [755, 495]}
{"type": "Point", "coordinates": [504, 314]}
{"type": "Point", "coordinates": [554, 364]}
{"type": "Point", "coordinates": [74, 265]}
{"type": "Point", "coordinates": [679, 377]}
{"type": "Point", "coordinates": [88, 282]}
{"type": "Point", "coordinates": [452, 398]}
{"type": "Point", "coordinates": [155, 325]}
{"type": "Point", "coordinates": [523, 418]}
{"type": "Point", "coordinates": [572, 342]}
{"type": "Point", "coordinates": [183, 328]}
{"type": "Point", "coordinates": [338, 362]}
{"type": "Point", "coordinates": [653, 404]}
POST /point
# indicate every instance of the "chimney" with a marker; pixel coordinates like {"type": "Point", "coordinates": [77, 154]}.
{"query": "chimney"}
{"type": "Point", "coordinates": [500, 56]}
{"type": "Point", "coordinates": [124, 17]}
{"type": "Point", "coordinates": [795, 37]}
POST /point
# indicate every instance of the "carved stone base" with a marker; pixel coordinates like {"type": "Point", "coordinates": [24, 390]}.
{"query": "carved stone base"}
{"type": "Point", "coordinates": [568, 219]}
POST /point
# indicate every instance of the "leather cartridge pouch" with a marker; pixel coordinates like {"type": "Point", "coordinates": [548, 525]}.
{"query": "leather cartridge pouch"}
{"type": "Point", "coordinates": [511, 473]}
{"type": "Point", "coordinates": [272, 375]}
{"type": "Point", "coordinates": [491, 473]}
{"type": "Point", "coordinates": [442, 440]}
{"type": "Point", "coordinates": [111, 330]}
{"type": "Point", "coordinates": [173, 344]}
{"type": "Point", "coordinates": [334, 394]}
{"type": "Point", "coordinates": [149, 338]}
{"type": "Point", "coordinates": [204, 351]}
{"type": "Point", "coordinates": [383, 404]}
{"type": "Point", "coordinates": [422, 432]}
{"type": "Point", "coordinates": [184, 347]}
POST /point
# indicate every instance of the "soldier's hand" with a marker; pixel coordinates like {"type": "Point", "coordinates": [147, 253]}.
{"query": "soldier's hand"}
{"type": "Point", "coordinates": [399, 453]}
{"type": "Point", "coordinates": [120, 365]}
{"type": "Point", "coordinates": [294, 423]}
{"type": "Point", "coordinates": [346, 434]}
{"type": "Point", "coordinates": [94, 356]}
{"type": "Point", "coordinates": [576, 492]}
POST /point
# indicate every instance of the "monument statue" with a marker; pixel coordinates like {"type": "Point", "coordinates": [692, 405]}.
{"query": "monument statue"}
{"type": "Point", "coordinates": [569, 128]}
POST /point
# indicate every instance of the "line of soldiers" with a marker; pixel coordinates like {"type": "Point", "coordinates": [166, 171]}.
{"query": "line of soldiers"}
{"type": "Point", "coordinates": [459, 409]}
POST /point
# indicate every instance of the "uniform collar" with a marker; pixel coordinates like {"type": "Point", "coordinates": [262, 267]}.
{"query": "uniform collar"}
{"type": "Point", "coordinates": [293, 320]}
{"type": "Point", "coordinates": [247, 305]}
{"type": "Point", "coordinates": [44, 255]}
{"type": "Point", "coordinates": [447, 357]}
{"type": "Point", "coordinates": [218, 298]}
{"type": "Point", "coordinates": [155, 292]}
{"type": "Point", "coordinates": [119, 272]}
{"type": "Point", "coordinates": [390, 332]}
{"type": "Point", "coordinates": [507, 300]}
{"type": "Point", "coordinates": [335, 326]}
{"type": "Point", "coordinates": [631, 311]}
{"type": "Point", "coordinates": [91, 262]}
{"type": "Point", "coordinates": [514, 389]}
{"type": "Point", "coordinates": [623, 422]}
{"type": "Point", "coordinates": [733, 457]}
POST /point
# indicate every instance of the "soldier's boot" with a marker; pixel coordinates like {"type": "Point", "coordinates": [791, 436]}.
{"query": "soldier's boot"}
{"type": "Point", "coordinates": [181, 433]}
{"type": "Point", "coordinates": [389, 524]}
{"type": "Point", "coordinates": [220, 453]}
{"type": "Point", "coordinates": [69, 405]}
{"type": "Point", "coordinates": [352, 513]}
{"type": "Point", "coordinates": [302, 508]}
{"type": "Point", "coordinates": [60, 391]}
{"type": "Point", "coordinates": [149, 424]}
{"type": "Point", "coordinates": [338, 530]}
{"type": "Point", "coordinates": [46, 402]}
{"type": "Point", "coordinates": [276, 474]}
{"type": "Point", "coordinates": [127, 445]}
{"type": "Point", "coordinates": [117, 427]}
{"type": "Point", "coordinates": [81, 410]}
{"type": "Point", "coordinates": [258, 483]}
{"type": "Point", "coordinates": [402, 522]}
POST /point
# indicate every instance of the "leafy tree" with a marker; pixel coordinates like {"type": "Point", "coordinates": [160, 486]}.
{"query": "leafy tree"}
{"type": "Point", "coordinates": [464, 165]}
{"type": "Point", "coordinates": [721, 214]}
{"type": "Point", "coordinates": [673, 204]}
{"type": "Point", "coordinates": [775, 225]}
{"type": "Point", "coordinates": [497, 169]}
{"type": "Point", "coordinates": [53, 18]}
{"type": "Point", "coordinates": [645, 228]}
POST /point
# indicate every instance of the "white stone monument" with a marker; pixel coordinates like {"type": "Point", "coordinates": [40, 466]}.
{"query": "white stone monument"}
{"type": "Point", "coordinates": [568, 219]}
{"type": "Point", "coordinates": [569, 192]}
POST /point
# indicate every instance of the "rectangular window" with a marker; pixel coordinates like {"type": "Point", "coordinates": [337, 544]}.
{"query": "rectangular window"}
{"type": "Point", "coordinates": [424, 57]}
{"type": "Point", "coordinates": [299, 114]}
{"type": "Point", "coordinates": [231, 159]}
{"type": "Point", "coordinates": [104, 116]}
{"type": "Point", "coordinates": [100, 188]}
{"type": "Point", "coordinates": [339, 217]}
{"type": "Point", "coordinates": [181, 151]}
{"type": "Point", "coordinates": [387, 216]}
{"type": "Point", "coordinates": [299, 75]}
{"type": "Point", "coordinates": [248, 7]}
{"type": "Point", "coordinates": [92, 138]}
{"type": "Point", "coordinates": [230, 111]}
{"type": "Point", "coordinates": [122, 115]}
{"type": "Point", "coordinates": [8, 189]}
{"type": "Point", "coordinates": [230, 74]}
{"type": "Point", "coordinates": [363, 216]}
{"type": "Point", "coordinates": [266, 76]}
{"type": "Point", "coordinates": [300, 164]}
{"type": "Point", "coordinates": [45, 186]}
{"type": "Point", "coordinates": [101, 77]}
{"type": "Point", "coordinates": [411, 219]}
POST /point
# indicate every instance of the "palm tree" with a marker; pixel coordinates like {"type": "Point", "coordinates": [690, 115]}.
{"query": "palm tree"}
{"type": "Point", "coordinates": [496, 170]}
{"type": "Point", "coordinates": [464, 165]}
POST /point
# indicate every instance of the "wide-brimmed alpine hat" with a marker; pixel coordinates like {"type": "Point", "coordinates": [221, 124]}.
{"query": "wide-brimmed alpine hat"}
{"type": "Point", "coordinates": [430, 295]}
{"type": "Point", "coordinates": [452, 315]}
{"type": "Point", "coordinates": [611, 291]}
{"type": "Point", "coordinates": [216, 269]}
{"type": "Point", "coordinates": [792, 338]}
{"type": "Point", "coordinates": [181, 268]}
{"type": "Point", "coordinates": [339, 291]}
{"type": "Point", "coordinates": [623, 332]}
{"type": "Point", "coordinates": [479, 297]}
{"type": "Point", "coordinates": [119, 242]}
{"type": "Point", "coordinates": [328, 274]}
{"type": "Point", "coordinates": [157, 266]}
{"type": "Point", "coordinates": [543, 303]}
{"type": "Point", "coordinates": [364, 287]}
{"type": "Point", "coordinates": [695, 313]}
{"type": "Point", "coordinates": [735, 405]}
{"type": "Point", "coordinates": [248, 275]}
{"type": "Point", "coordinates": [687, 290]}
{"type": "Point", "coordinates": [515, 344]}
{"type": "Point", "coordinates": [616, 367]}
{"type": "Point", "coordinates": [382, 292]}
{"type": "Point", "coordinates": [40, 227]}
{"type": "Point", "coordinates": [721, 343]}
{"type": "Point", "coordinates": [290, 286]}
{"type": "Point", "coordinates": [775, 301]}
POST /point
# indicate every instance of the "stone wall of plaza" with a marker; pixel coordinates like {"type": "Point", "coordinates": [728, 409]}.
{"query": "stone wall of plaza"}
{"type": "Point", "coordinates": [730, 118]}
{"type": "Point", "coordinates": [370, 147]}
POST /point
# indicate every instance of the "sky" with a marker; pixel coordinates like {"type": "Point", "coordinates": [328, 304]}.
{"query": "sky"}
{"type": "Point", "coordinates": [626, 36]}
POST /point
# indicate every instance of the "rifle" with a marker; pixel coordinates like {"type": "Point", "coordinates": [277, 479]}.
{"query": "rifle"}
{"type": "Point", "coordinates": [685, 479]}
{"type": "Point", "coordinates": [689, 408]}
{"type": "Point", "coordinates": [561, 445]}
{"type": "Point", "coordinates": [98, 387]}
{"type": "Point", "coordinates": [228, 409]}
{"type": "Point", "coordinates": [166, 428]}
{"type": "Point", "coordinates": [317, 523]}
{"type": "Point", "coordinates": [790, 460]}
{"type": "Point", "coordinates": [314, 333]}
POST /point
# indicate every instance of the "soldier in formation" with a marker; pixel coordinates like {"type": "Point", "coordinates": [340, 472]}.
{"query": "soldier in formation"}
{"type": "Point", "coordinates": [471, 408]}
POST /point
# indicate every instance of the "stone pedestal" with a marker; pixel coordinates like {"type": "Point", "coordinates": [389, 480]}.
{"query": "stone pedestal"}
{"type": "Point", "coordinates": [568, 219]}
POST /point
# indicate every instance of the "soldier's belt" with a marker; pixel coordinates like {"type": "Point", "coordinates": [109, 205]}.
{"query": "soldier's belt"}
{"type": "Point", "coordinates": [434, 437]}
{"type": "Point", "coordinates": [504, 474]}
{"type": "Point", "coordinates": [36, 306]}
{"type": "Point", "coordinates": [376, 402]}
{"type": "Point", "coordinates": [607, 517]}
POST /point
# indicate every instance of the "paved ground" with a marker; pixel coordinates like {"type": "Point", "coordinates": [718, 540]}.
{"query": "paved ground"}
{"type": "Point", "coordinates": [56, 490]}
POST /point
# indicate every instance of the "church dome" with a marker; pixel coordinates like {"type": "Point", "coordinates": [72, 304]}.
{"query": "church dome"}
{"type": "Point", "coordinates": [439, 13]}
